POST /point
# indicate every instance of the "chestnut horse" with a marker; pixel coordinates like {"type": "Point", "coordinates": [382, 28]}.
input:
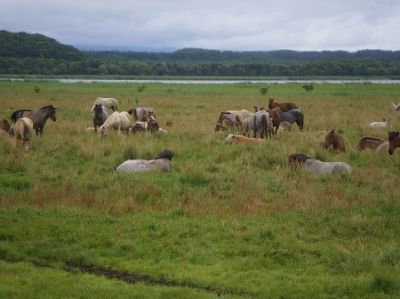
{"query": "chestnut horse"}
{"type": "Point", "coordinates": [275, 114]}
{"type": "Point", "coordinates": [394, 141]}
{"type": "Point", "coordinates": [287, 106]}
{"type": "Point", "coordinates": [335, 140]}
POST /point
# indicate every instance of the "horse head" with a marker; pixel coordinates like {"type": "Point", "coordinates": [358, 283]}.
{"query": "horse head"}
{"type": "Point", "coordinates": [258, 108]}
{"type": "Point", "coordinates": [394, 141]}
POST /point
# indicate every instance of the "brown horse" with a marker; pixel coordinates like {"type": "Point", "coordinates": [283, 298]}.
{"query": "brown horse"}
{"type": "Point", "coordinates": [335, 140]}
{"type": "Point", "coordinates": [287, 106]}
{"type": "Point", "coordinates": [4, 125]}
{"type": "Point", "coordinates": [39, 117]}
{"type": "Point", "coordinates": [275, 114]}
{"type": "Point", "coordinates": [369, 142]}
{"type": "Point", "coordinates": [394, 141]}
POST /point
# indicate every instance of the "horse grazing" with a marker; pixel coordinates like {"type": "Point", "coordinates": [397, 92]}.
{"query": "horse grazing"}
{"type": "Point", "coordinates": [228, 121]}
{"type": "Point", "coordinates": [261, 126]}
{"type": "Point", "coordinates": [293, 116]}
{"type": "Point", "coordinates": [235, 139]}
{"type": "Point", "coordinates": [117, 120]}
{"type": "Point", "coordinates": [39, 117]}
{"type": "Point", "coordinates": [99, 116]}
{"type": "Point", "coordinates": [380, 124]}
{"type": "Point", "coordinates": [334, 140]}
{"type": "Point", "coordinates": [160, 163]}
{"type": "Point", "coordinates": [369, 142]}
{"type": "Point", "coordinates": [23, 130]}
{"type": "Point", "coordinates": [319, 168]}
{"type": "Point", "coordinates": [284, 107]}
{"type": "Point", "coordinates": [394, 141]}
{"type": "Point", "coordinates": [4, 125]}
{"type": "Point", "coordinates": [142, 113]}
{"type": "Point", "coordinates": [109, 103]}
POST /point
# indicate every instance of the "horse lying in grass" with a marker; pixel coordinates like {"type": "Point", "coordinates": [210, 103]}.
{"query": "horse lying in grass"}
{"type": "Point", "coordinates": [109, 103]}
{"type": "Point", "coordinates": [117, 120]}
{"type": "Point", "coordinates": [23, 131]}
{"type": "Point", "coordinates": [160, 163]}
{"type": "Point", "coordinates": [380, 124]}
{"type": "Point", "coordinates": [285, 126]}
{"type": "Point", "coordinates": [334, 140]}
{"type": "Point", "coordinates": [319, 168]}
{"type": "Point", "coordinates": [150, 127]}
{"type": "Point", "coordinates": [239, 139]}
{"type": "Point", "coordinates": [369, 142]}
{"type": "Point", "coordinates": [284, 107]}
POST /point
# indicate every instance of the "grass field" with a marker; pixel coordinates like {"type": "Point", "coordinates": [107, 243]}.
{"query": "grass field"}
{"type": "Point", "coordinates": [228, 220]}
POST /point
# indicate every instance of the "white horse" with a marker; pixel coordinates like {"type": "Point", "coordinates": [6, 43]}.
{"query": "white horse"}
{"type": "Point", "coordinates": [161, 163]}
{"type": "Point", "coordinates": [380, 124]}
{"type": "Point", "coordinates": [109, 103]}
{"type": "Point", "coordinates": [23, 130]}
{"type": "Point", "coordinates": [320, 168]}
{"type": "Point", "coordinates": [117, 120]}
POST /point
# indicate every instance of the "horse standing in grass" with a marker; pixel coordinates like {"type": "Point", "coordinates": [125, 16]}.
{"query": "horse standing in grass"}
{"type": "Point", "coordinates": [293, 116]}
{"type": "Point", "coordinates": [284, 107]}
{"type": "Point", "coordinates": [38, 117]}
{"type": "Point", "coordinates": [142, 113]}
{"type": "Point", "coordinates": [275, 115]}
{"type": "Point", "coordinates": [99, 116]}
{"type": "Point", "coordinates": [261, 123]}
{"type": "Point", "coordinates": [23, 130]}
{"type": "Point", "coordinates": [334, 140]}
{"type": "Point", "coordinates": [394, 141]}
{"type": "Point", "coordinates": [109, 103]}
{"type": "Point", "coordinates": [117, 120]}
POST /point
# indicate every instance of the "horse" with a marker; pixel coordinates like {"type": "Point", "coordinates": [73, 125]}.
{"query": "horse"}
{"type": "Point", "coordinates": [23, 130]}
{"type": "Point", "coordinates": [293, 116]}
{"type": "Point", "coordinates": [150, 127]}
{"type": "Point", "coordinates": [261, 124]}
{"type": "Point", "coordinates": [109, 103]}
{"type": "Point", "coordinates": [247, 126]}
{"type": "Point", "coordinates": [335, 140]}
{"type": "Point", "coordinates": [319, 168]}
{"type": "Point", "coordinates": [285, 126]}
{"type": "Point", "coordinates": [287, 106]}
{"type": "Point", "coordinates": [160, 163]}
{"type": "Point", "coordinates": [396, 107]}
{"type": "Point", "coordinates": [394, 141]}
{"type": "Point", "coordinates": [117, 120]}
{"type": "Point", "coordinates": [142, 113]}
{"type": "Point", "coordinates": [234, 139]}
{"type": "Point", "coordinates": [369, 142]}
{"type": "Point", "coordinates": [5, 125]}
{"type": "Point", "coordinates": [99, 116]}
{"type": "Point", "coordinates": [275, 114]}
{"type": "Point", "coordinates": [39, 117]}
{"type": "Point", "coordinates": [380, 124]}
{"type": "Point", "coordinates": [229, 121]}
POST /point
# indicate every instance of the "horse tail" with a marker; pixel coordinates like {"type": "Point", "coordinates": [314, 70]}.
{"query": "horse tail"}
{"type": "Point", "coordinates": [18, 114]}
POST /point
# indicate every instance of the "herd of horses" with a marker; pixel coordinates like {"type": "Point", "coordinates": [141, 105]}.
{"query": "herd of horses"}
{"type": "Point", "coordinates": [261, 124]}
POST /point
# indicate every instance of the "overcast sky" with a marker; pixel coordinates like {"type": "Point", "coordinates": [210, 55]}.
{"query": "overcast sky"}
{"type": "Point", "coordinates": [211, 24]}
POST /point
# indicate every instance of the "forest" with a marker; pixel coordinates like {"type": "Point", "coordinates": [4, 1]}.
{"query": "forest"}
{"type": "Point", "coordinates": [36, 54]}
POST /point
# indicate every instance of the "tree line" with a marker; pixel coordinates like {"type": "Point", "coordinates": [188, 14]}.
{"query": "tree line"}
{"type": "Point", "coordinates": [23, 53]}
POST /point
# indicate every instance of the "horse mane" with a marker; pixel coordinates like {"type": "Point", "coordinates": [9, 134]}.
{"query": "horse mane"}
{"type": "Point", "coordinates": [47, 107]}
{"type": "Point", "coordinates": [166, 154]}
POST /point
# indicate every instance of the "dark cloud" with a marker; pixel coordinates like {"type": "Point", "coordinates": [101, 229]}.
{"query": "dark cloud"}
{"type": "Point", "coordinates": [246, 25]}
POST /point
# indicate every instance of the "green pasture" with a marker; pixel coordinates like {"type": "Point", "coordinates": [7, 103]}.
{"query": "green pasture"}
{"type": "Point", "coordinates": [229, 220]}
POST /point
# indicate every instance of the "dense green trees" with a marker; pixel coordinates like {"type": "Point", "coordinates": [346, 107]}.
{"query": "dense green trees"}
{"type": "Point", "coordinates": [22, 53]}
